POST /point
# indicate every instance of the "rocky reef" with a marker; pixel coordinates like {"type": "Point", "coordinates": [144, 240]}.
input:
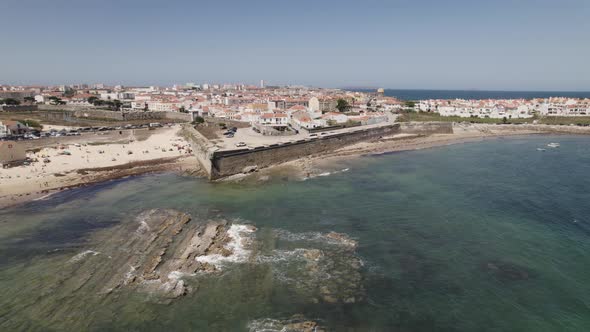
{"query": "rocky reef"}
{"type": "Point", "coordinates": [296, 323]}
{"type": "Point", "coordinates": [153, 253]}
{"type": "Point", "coordinates": [322, 268]}
{"type": "Point", "coordinates": [161, 255]}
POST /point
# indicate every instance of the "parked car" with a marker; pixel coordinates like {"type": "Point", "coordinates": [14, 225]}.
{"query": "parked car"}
{"type": "Point", "coordinates": [240, 144]}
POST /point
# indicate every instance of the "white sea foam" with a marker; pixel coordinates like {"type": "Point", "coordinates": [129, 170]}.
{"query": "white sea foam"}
{"type": "Point", "coordinates": [143, 227]}
{"type": "Point", "coordinates": [311, 176]}
{"type": "Point", "coordinates": [82, 255]}
{"type": "Point", "coordinates": [266, 325]}
{"type": "Point", "coordinates": [177, 275]}
{"type": "Point", "coordinates": [282, 256]}
{"type": "Point", "coordinates": [293, 237]}
{"type": "Point", "coordinates": [238, 245]}
{"type": "Point", "coordinates": [275, 325]}
{"type": "Point", "coordinates": [129, 275]}
{"type": "Point", "coordinates": [311, 237]}
{"type": "Point", "coordinates": [43, 197]}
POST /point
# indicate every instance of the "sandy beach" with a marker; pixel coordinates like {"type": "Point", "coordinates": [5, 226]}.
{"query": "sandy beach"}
{"type": "Point", "coordinates": [63, 166]}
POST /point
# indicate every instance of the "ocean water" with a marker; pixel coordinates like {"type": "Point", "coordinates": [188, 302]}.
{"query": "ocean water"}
{"type": "Point", "coordinates": [486, 236]}
{"type": "Point", "coordinates": [477, 94]}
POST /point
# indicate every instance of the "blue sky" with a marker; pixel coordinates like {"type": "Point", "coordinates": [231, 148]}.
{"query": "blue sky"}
{"type": "Point", "coordinates": [455, 44]}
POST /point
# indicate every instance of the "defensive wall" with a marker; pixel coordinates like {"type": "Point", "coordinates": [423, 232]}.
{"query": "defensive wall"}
{"type": "Point", "coordinates": [202, 148]}
{"type": "Point", "coordinates": [219, 164]}
{"type": "Point", "coordinates": [18, 108]}
{"type": "Point", "coordinates": [64, 113]}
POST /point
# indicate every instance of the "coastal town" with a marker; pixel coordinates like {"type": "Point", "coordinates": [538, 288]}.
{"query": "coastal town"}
{"type": "Point", "coordinates": [55, 137]}
{"type": "Point", "coordinates": [295, 166]}
{"type": "Point", "coordinates": [279, 107]}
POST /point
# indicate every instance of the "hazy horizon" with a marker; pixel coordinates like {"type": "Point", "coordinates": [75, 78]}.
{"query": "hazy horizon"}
{"type": "Point", "coordinates": [427, 45]}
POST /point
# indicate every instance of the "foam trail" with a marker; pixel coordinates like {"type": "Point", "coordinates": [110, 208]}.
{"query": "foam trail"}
{"type": "Point", "coordinates": [83, 254]}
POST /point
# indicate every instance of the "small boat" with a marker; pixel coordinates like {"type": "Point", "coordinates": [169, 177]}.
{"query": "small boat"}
{"type": "Point", "coordinates": [553, 145]}
{"type": "Point", "coordinates": [540, 149]}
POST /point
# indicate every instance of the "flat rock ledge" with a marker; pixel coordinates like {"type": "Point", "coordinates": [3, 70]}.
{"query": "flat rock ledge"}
{"type": "Point", "coordinates": [152, 254]}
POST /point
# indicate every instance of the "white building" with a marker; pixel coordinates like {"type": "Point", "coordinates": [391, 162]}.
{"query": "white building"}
{"type": "Point", "coordinates": [274, 119]}
{"type": "Point", "coordinates": [3, 130]}
{"type": "Point", "coordinates": [302, 119]}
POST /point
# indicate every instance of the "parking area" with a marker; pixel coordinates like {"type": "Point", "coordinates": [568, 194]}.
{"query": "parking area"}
{"type": "Point", "coordinates": [228, 139]}
{"type": "Point", "coordinates": [51, 131]}
{"type": "Point", "coordinates": [253, 139]}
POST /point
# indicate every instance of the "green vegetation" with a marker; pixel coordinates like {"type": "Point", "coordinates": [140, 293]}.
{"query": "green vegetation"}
{"type": "Point", "coordinates": [9, 101]}
{"type": "Point", "coordinates": [428, 116]}
{"type": "Point", "coordinates": [29, 99]}
{"type": "Point", "coordinates": [342, 105]}
{"type": "Point", "coordinates": [114, 105]}
{"type": "Point", "coordinates": [351, 123]}
{"type": "Point", "coordinates": [53, 100]}
{"type": "Point", "coordinates": [32, 123]}
{"type": "Point", "coordinates": [198, 120]}
{"type": "Point", "coordinates": [566, 120]}
{"type": "Point", "coordinates": [331, 123]}
{"type": "Point", "coordinates": [117, 104]}
{"type": "Point", "coordinates": [410, 104]}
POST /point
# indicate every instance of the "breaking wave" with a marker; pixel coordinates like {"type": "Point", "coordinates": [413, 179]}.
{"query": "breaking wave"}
{"type": "Point", "coordinates": [296, 323]}
{"type": "Point", "coordinates": [311, 176]}
{"type": "Point", "coordinates": [316, 237]}
{"type": "Point", "coordinates": [241, 240]}
{"type": "Point", "coordinates": [82, 255]}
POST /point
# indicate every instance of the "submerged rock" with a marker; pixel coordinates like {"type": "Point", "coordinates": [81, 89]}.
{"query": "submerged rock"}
{"type": "Point", "coordinates": [153, 254]}
{"type": "Point", "coordinates": [324, 268]}
{"type": "Point", "coordinates": [505, 271]}
{"type": "Point", "coordinates": [296, 323]}
{"type": "Point", "coordinates": [342, 239]}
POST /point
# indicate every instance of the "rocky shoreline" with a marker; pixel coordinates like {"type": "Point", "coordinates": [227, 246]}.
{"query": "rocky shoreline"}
{"type": "Point", "coordinates": [152, 254]}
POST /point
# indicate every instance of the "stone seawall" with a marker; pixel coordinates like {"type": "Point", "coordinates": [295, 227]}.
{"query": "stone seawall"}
{"type": "Point", "coordinates": [94, 113]}
{"type": "Point", "coordinates": [220, 164]}
{"type": "Point", "coordinates": [226, 163]}
{"type": "Point", "coordinates": [18, 108]}
{"type": "Point", "coordinates": [202, 148]}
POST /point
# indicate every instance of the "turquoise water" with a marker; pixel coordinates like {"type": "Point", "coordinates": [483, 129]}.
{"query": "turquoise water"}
{"type": "Point", "coordinates": [487, 236]}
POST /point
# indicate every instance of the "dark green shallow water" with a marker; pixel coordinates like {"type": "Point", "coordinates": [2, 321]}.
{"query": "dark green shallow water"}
{"type": "Point", "coordinates": [488, 236]}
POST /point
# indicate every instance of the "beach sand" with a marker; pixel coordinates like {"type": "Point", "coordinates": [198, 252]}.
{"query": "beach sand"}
{"type": "Point", "coordinates": [73, 164]}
